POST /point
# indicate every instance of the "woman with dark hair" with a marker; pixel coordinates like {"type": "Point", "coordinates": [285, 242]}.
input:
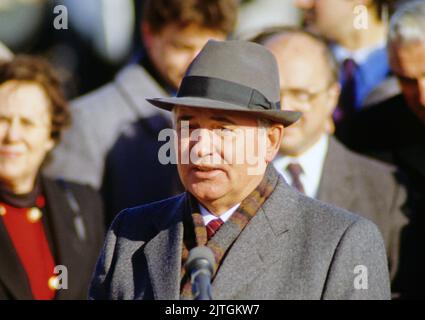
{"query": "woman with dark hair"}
{"type": "Point", "coordinates": [50, 230]}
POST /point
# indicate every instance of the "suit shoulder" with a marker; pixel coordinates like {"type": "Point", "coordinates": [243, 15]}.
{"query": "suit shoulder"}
{"type": "Point", "coordinates": [96, 101]}
{"type": "Point", "coordinates": [371, 165]}
{"type": "Point", "coordinates": [156, 215]}
{"type": "Point", "coordinates": [81, 198]}
{"type": "Point", "coordinates": [330, 225]}
{"type": "Point", "coordinates": [111, 96]}
{"type": "Point", "coordinates": [73, 186]}
{"type": "Point", "coordinates": [327, 214]}
{"type": "Point", "coordinates": [154, 207]}
{"type": "Point", "coordinates": [310, 215]}
{"type": "Point", "coordinates": [366, 170]}
{"type": "Point", "coordinates": [375, 174]}
{"type": "Point", "coordinates": [328, 219]}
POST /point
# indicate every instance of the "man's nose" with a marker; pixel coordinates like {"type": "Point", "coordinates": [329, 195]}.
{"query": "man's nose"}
{"type": "Point", "coordinates": [203, 144]}
{"type": "Point", "coordinates": [14, 131]}
{"type": "Point", "coordinates": [304, 4]}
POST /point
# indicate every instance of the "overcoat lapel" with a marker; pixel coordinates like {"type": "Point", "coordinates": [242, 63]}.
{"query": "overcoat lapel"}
{"type": "Point", "coordinates": [163, 255]}
{"type": "Point", "coordinates": [69, 248]}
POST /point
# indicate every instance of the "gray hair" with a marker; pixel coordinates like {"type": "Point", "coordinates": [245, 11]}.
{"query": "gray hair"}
{"type": "Point", "coordinates": [264, 123]}
{"type": "Point", "coordinates": [408, 23]}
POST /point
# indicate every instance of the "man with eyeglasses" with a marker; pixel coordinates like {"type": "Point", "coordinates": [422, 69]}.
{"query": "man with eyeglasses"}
{"type": "Point", "coordinates": [314, 162]}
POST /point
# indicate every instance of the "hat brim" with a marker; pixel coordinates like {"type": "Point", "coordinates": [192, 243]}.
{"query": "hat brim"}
{"type": "Point", "coordinates": [281, 116]}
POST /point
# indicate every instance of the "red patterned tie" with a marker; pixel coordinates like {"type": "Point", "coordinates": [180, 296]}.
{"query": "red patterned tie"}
{"type": "Point", "coordinates": [213, 226]}
{"type": "Point", "coordinates": [295, 170]}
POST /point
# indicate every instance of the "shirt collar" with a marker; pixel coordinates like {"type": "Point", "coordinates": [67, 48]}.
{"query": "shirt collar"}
{"type": "Point", "coordinates": [311, 161]}
{"type": "Point", "coordinates": [359, 56]}
{"type": "Point", "coordinates": [208, 216]}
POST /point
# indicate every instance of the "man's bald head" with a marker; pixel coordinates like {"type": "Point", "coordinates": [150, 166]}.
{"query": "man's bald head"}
{"type": "Point", "coordinates": [308, 75]}
{"type": "Point", "coordinates": [304, 49]}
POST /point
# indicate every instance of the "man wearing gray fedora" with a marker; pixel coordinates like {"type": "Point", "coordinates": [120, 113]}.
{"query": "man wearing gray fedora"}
{"type": "Point", "coordinates": [268, 240]}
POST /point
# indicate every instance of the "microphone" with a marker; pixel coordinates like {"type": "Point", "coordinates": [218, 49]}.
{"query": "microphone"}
{"type": "Point", "coordinates": [200, 266]}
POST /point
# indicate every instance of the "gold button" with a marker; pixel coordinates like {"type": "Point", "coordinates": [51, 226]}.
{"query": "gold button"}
{"type": "Point", "coordinates": [34, 214]}
{"type": "Point", "coordinates": [53, 283]}
{"type": "Point", "coordinates": [2, 211]}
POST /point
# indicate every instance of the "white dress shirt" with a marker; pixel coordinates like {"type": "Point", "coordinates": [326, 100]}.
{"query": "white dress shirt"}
{"type": "Point", "coordinates": [311, 161]}
{"type": "Point", "coordinates": [359, 56]}
{"type": "Point", "coordinates": [208, 216]}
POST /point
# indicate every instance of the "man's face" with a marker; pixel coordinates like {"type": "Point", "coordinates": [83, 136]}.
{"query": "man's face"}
{"type": "Point", "coordinates": [227, 153]}
{"type": "Point", "coordinates": [306, 86]}
{"type": "Point", "coordinates": [173, 48]}
{"type": "Point", "coordinates": [331, 18]}
{"type": "Point", "coordinates": [408, 63]}
{"type": "Point", "coordinates": [25, 124]}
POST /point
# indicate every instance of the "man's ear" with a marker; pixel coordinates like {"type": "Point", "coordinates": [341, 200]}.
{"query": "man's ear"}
{"type": "Point", "coordinates": [274, 140]}
{"type": "Point", "coordinates": [330, 126]}
{"type": "Point", "coordinates": [334, 93]}
{"type": "Point", "coordinates": [147, 34]}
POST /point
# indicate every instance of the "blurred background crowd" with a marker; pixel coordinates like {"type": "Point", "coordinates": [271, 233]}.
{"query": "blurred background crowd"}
{"type": "Point", "coordinates": [79, 142]}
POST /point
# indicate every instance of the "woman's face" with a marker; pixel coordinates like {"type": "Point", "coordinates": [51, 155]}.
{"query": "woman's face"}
{"type": "Point", "coordinates": [25, 127]}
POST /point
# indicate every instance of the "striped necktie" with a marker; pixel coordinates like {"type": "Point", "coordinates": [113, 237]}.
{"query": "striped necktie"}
{"type": "Point", "coordinates": [213, 226]}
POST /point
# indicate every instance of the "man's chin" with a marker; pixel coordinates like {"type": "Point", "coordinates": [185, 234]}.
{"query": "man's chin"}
{"type": "Point", "coordinates": [206, 193]}
{"type": "Point", "coordinates": [9, 176]}
{"type": "Point", "coordinates": [290, 148]}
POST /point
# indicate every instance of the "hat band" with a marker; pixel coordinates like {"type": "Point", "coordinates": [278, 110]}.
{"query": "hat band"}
{"type": "Point", "coordinates": [225, 91]}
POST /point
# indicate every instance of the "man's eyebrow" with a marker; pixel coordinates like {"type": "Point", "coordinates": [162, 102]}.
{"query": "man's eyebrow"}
{"type": "Point", "coordinates": [223, 119]}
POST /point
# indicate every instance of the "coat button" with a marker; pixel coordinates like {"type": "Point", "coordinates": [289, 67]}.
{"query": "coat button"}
{"type": "Point", "coordinates": [34, 215]}
{"type": "Point", "coordinates": [53, 283]}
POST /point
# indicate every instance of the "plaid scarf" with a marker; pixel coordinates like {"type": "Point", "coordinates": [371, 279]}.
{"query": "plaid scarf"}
{"type": "Point", "coordinates": [195, 233]}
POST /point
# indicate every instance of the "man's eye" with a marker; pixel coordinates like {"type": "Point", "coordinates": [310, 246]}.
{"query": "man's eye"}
{"type": "Point", "coordinates": [180, 46]}
{"type": "Point", "coordinates": [407, 80]}
{"type": "Point", "coordinates": [28, 123]}
{"type": "Point", "coordinates": [303, 96]}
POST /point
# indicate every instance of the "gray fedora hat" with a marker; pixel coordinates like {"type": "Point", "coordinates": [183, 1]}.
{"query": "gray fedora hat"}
{"type": "Point", "coordinates": [233, 76]}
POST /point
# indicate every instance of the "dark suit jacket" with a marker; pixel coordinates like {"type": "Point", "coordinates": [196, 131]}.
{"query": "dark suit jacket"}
{"type": "Point", "coordinates": [77, 254]}
{"type": "Point", "coordinates": [295, 247]}
{"type": "Point", "coordinates": [386, 131]}
{"type": "Point", "coordinates": [369, 188]}
{"type": "Point", "coordinates": [389, 131]}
